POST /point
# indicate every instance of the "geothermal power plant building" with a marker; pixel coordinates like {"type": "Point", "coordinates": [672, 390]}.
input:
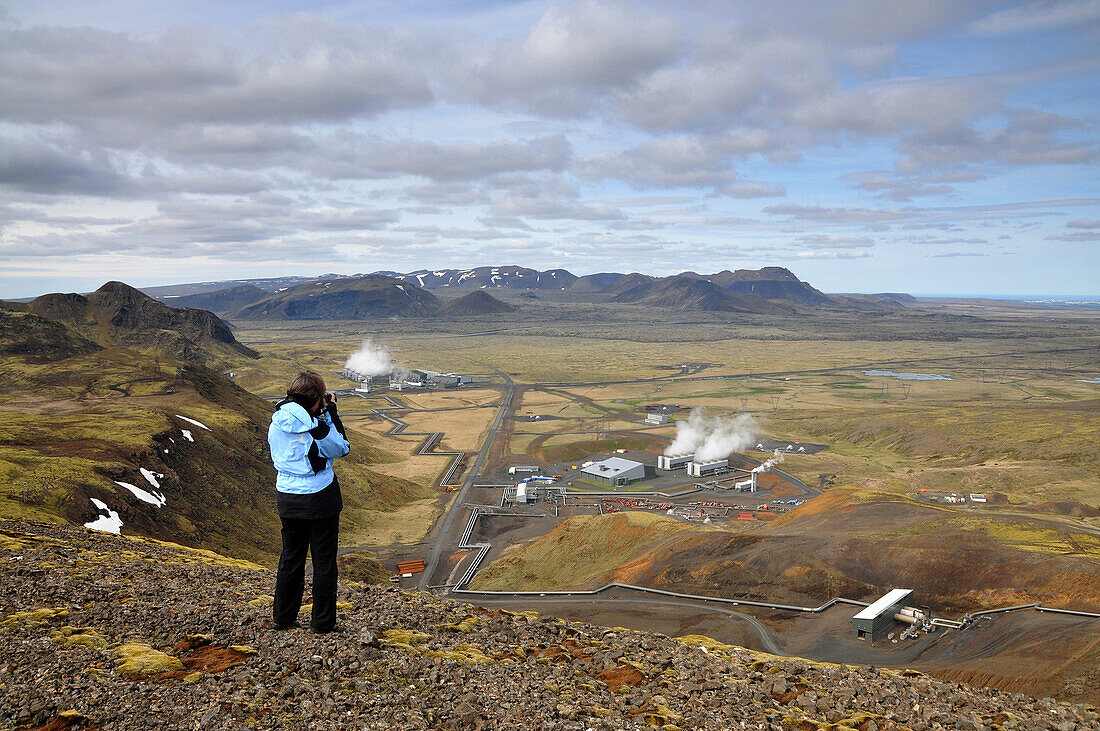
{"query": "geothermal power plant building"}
{"type": "Point", "coordinates": [872, 621]}
{"type": "Point", "coordinates": [674, 463]}
{"type": "Point", "coordinates": [705, 469]}
{"type": "Point", "coordinates": [615, 471]}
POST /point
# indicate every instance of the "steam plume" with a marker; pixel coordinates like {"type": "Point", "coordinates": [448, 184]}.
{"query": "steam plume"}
{"type": "Point", "coordinates": [776, 458]}
{"type": "Point", "coordinates": [371, 360]}
{"type": "Point", "coordinates": [710, 438]}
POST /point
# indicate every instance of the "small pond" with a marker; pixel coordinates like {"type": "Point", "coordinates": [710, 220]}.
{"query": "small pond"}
{"type": "Point", "coordinates": [909, 376]}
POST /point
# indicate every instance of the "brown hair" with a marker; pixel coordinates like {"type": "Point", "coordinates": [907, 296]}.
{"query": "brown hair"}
{"type": "Point", "coordinates": [308, 384]}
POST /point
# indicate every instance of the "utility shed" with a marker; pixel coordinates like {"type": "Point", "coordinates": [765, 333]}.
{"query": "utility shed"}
{"type": "Point", "coordinates": [872, 621]}
{"type": "Point", "coordinates": [615, 471]}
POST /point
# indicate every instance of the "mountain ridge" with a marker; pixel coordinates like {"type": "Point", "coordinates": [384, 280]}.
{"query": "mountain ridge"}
{"type": "Point", "coordinates": [769, 290]}
{"type": "Point", "coordinates": [117, 314]}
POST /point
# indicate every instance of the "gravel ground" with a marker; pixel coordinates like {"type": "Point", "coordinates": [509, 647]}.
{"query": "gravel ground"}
{"type": "Point", "coordinates": [99, 631]}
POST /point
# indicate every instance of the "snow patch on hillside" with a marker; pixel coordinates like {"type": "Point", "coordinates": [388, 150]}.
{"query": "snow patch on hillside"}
{"type": "Point", "coordinates": [109, 523]}
{"type": "Point", "coordinates": [153, 498]}
{"type": "Point", "coordinates": [192, 421]}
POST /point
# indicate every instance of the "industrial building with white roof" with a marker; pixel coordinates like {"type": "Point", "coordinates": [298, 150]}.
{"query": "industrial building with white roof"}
{"type": "Point", "coordinates": [615, 471]}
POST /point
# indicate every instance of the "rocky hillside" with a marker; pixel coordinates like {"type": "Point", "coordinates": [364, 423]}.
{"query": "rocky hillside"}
{"type": "Point", "coordinates": [40, 339]}
{"type": "Point", "coordinates": [343, 299]}
{"type": "Point", "coordinates": [116, 314]}
{"type": "Point", "coordinates": [112, 436]}
{"type": "Point", "coordinates": [685, 293]}
{"type": "Point", "coordinates": [103, 632]}
{"type": "Point", "coordinates": [221, 301]}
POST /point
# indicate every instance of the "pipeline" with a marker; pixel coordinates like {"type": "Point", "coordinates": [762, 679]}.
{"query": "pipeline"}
{"type": "Point", "coordinates": [483, 548]}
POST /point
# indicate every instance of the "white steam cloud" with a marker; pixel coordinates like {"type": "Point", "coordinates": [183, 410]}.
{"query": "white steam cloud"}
{"type": "Point", "coordinates": [371, 360]}
{"type": "Point", "coordinates": [776, 458]}
{"type": "Point", "coordinates": [711, 438]}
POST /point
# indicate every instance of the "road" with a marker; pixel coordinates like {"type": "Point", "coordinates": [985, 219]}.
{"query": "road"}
{"type": "Point", "coordinates": [444, 537]}
{"type": "Point", "coordinates": [768, 640]}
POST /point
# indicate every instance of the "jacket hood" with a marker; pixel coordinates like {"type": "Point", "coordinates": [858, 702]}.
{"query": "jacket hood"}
{"type": "Point", "coordinates": [292, 419]}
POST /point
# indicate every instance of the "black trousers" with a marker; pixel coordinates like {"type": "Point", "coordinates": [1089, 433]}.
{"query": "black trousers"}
{"type": "Point", "coordinates": [321, 537]}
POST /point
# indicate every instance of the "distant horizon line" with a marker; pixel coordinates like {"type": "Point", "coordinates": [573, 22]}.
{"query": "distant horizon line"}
{"type": "Point", "coordinates": [1014, 297]}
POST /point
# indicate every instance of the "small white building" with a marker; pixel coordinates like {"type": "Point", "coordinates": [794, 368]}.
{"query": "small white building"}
{"type": "Point", "coordinates": [658, 419]}
{"type": "Point", "coordinates": [615, 471]}
{"type": "Point", "coordinates": [748, 485]}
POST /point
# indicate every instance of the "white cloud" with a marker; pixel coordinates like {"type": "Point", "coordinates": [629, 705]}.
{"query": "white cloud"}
{"type": "Point", "coordinates": [1033, 16]}
{"type": "Point", "coordinates": [828, 241]}
{"type": "Point", "coordinates": [573, 54]}
{"type": "Point", "coordinates": [833, 255]}
{"type": "Point", "coordinates": [439, 132]}
{"type": "Point", "coordinates": [291, 70]}
{"type": "Point", "coordinates": [1075, 236]}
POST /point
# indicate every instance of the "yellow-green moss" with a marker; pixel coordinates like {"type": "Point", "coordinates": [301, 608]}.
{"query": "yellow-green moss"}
{"type": "Point", "coordinates": [663, 717]}
{"type": "Point", "coordinates": [404, 637]}
{"type": "Point", "coordinates": [11, 543]}
{"type": "Point", "coordinates": [35, 618]}
{"type": "Point", "coordinates": [192, 678]}
{"type": "Point", "coordinates": [85, 636]}
{"type": "Point", "coordinates": [243, 649]}
{"type": "Point", "coordinates": [465, 653]}
{"type": "Point", "coordinates": [262, 601]}
{"type": "Point", "coordinates": [464, 626]}
{"type": "Point", "coordinates": [188, 555]}
{"type": "Point", "coordinates": [707, 643]}
{"type": "Point", "coordinates": [138, 659]}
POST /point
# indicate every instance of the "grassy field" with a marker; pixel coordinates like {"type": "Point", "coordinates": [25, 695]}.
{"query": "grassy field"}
{"type": "Point", "coordinates": [1014, 419]}
{"type": "Point", "coordinates": [581, 551]}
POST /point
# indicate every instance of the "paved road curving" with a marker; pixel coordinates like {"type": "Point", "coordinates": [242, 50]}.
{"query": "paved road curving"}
{"type": "Point", "coordinates": [767, 638]}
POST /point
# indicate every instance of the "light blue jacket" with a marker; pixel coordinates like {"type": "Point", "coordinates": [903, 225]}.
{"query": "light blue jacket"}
{"type": "Point", "coordinates": [290, 442]}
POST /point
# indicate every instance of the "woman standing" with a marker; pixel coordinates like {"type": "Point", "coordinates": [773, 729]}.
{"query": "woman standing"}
{"type": "Point", "coordinates": [305, 436]}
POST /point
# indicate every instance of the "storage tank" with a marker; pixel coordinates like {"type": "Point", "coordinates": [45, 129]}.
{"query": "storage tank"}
{"type": "Point", "coordinates": [909, 615]}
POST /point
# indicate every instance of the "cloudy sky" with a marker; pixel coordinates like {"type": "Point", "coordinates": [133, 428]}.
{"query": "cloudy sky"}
{"type": "Point", "coordinates": [939, 146]}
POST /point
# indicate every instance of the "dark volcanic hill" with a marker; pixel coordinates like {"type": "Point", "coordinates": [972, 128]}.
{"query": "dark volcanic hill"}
{"type": "Point", "coordinates": [628, 282]}
{"type": "Point", "coordinates": [685, 293]}
{"type": "Point", "coordinates": [40, 339]}
{"type": "Point", "coordinates": [344, 299]}
{"type": "Point", "coordinates": [511, 277]}
{"type": "Point", "coordinates": [475, 303]}
{"type": "Point", "coordinates": [221, 301]}
{"type": "Point", "coordinates": [268, 284]}
{"type": "Point", "coordinates": [770, 283]}
{"type": "Point", "coordinates": [899, 297]}
{"type": "Point", "coordinates": [596, 282]}
{"type": "Point", "coordinates": [116, 314]}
